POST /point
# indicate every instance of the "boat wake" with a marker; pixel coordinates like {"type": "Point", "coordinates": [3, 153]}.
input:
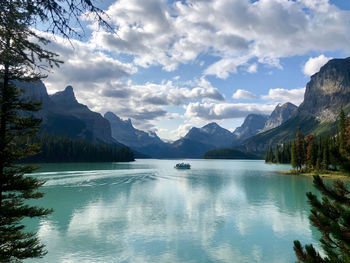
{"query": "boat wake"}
{"type": "Point", "coordinates": [96, 177]}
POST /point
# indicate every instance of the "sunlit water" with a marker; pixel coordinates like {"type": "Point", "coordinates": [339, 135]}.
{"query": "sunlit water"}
{"type": "Point", "coordinates": [147, 211]}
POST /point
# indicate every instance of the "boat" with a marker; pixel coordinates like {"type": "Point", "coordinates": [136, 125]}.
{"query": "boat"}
{"type": "Point", "coordinates": [182, 166]}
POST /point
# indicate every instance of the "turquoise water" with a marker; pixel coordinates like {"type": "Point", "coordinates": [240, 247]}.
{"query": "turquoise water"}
{"type": "Point", "coordinates": [147, 211]}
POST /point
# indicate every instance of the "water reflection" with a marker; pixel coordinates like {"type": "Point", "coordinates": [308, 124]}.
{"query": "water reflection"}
{"type": "Point", "coordinates": [219, 211]}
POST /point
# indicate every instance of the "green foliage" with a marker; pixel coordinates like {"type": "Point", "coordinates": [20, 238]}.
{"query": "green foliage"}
{"type": "Point", "coordinates": [228, 153]}
{"type": "Point", "coordinates": [343, 154]}
{"type": "Point", "coordinates": [23, 58]}
{"type": "Point", "coordinates": [294, 155]}
{"type": "Point", "coordinates": [269, 155]}
{"type": "Point", "coordinates": [299, 149]}
{"type": "Point", "coordinates": [342, 127]}
{"type": "Point", "coordinates": [331, 216]}
{"type": "Point", "coordinates": [313, 153]}
{"type": "Point", "coordinates": [64, 149]}
{"type": "Point", "coordinates": [277, 155]}
{"type": "Point", "coordinates": [15, 130]}
{"type": "Point", "coordinates": [282, 154]}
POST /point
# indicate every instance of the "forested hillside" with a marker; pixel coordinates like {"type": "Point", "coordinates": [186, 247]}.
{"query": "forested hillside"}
{"type": "Point", "coordinates": [65, 149]}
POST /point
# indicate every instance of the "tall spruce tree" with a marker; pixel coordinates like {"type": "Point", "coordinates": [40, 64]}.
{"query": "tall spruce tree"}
{"type": "Point", "coordinates": [326, 154]}
{"type": "Point", "coordinates": [294, 161]}
{"type": "Point", "coordinates": [344, 152]}
{"type": "Point", "coordinates": [341, 127]}
{"type": "Point", "coordinates": [300, 149]}
{"type": "Point", "coordinates": [23, 58]}
{"type": "Point", "coordinates": [331, 216]}
{"type": "Point", "coordinates": [276, 158]}
{"type": "Point", "coordinates": [311, 151]}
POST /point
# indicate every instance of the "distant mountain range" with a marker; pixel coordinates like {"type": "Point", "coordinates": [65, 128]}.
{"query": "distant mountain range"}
{"type": "Point", "coordinates": [327, 91]}
{"type": "Point", "coordinates": [62, 115]}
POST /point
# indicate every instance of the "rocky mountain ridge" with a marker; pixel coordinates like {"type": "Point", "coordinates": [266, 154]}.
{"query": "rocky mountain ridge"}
{"type": "Point", "coordinates": [124, 132]}
{"type": "Point", "coordinates": [63, 115]}
{"type": "Point", "coordinates": [211, 134]}
{"type": "Point", "coordinates": [280, 115]}
{"type": "Point", "coordinates": [326, 93]}
{"type": "Point", "coordinates": [252, 125]}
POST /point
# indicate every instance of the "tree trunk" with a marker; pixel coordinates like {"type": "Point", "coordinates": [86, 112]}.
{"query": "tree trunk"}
{"type": "Point", "coordinates": [3, 124]}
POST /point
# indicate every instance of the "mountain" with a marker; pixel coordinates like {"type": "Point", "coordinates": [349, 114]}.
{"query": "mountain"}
{"type": "Point", "coordinates": [63, 115]}
{"type": "Point", "coordinates": [252, 124]}
{"type": "Point", "coordinates": [196, 142]}
{"type": "Point", "coordinates": [96, 127]}
{"type": "Point", "coordinates": [144, 142]}
{"type": "Point", "coordinates": [326, 92]}
{"type": "Point", "coordinates": [187, 148]}
{"type": "Point", "coordinates": [35, 91]}
{"type": "Point", "coordinates": [200, 140]}
{"type": "Point", "coordinates": [211, 134]}
{"type": "Point", "coordinates": [280, 115]}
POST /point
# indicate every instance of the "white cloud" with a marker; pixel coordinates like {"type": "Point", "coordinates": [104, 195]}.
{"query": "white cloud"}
{"type": "Point", "coordinates": [244, 94]}
{"type": "Point", "coordinates": [295, 96]}
{"type": "Point", "coordinates": [91, 73]}
{"type": "Point", "coordinates": [182, 130]}
{"type": "Point", "coordinates": [156, 32]}
{"type": "Point", "coordinates": [253, 68]}
{"type": "Point", "coordinates": [84, 67]}
{"type": "Point", "coordinates": [313, 65]}
{"type": "Point", "coordinates": [225, 66]}
{"type": "Point", "coordinates": [239, 35]}
{"type": "Point", "coordinates": [165, 93]}
{"type": "Point", "coordinates": [319, 5]}
{"type": "Point", "coordinates": [220, 111]}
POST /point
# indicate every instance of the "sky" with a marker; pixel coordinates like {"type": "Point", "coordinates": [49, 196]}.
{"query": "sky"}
{"type": "Point", "coordinates": [173, 65]}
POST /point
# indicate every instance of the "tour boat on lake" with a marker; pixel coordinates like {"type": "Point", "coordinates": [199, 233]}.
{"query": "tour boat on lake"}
{"type": "Point", "coordinates": [182, 166]}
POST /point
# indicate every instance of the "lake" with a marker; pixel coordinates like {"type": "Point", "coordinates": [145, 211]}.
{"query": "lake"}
{"type": "Point", "coordinates": [147, 211]}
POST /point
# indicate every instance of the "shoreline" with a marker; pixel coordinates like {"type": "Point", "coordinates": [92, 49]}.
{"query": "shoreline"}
{"type": "Point", "coordinates": [323, 174]}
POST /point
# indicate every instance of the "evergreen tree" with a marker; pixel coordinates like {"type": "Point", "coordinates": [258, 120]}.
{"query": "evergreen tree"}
{"type": "Point", "coordinates": [331, 216]}
{"type": "Point", "coordinates": [344, 153]}
{"type": "Point", "coordinates": [311, 151]}
{"type": "Point", "coordinates": [299, 149]}
{"type": "Point", "coordinates": [294, 162]}
{"type": "Point", "coordinates": [342, 120]}
{"type": "Point", "coordinates": [288, 153]}
{"type": "Point", "coordinates": [23, 58]}
{"type": "Point", "coordinates": [276, 158]}
{"type": "Point", "coordinates": [325, 154]}
{"type": "Point", "coordinates": [283, 154]}
{"type": "Point", "coordinates": [267, 155]}
{"type": "Point", "coordinates": [319, 161]}
{"type": "Point", "coordinates": [64, 149]}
